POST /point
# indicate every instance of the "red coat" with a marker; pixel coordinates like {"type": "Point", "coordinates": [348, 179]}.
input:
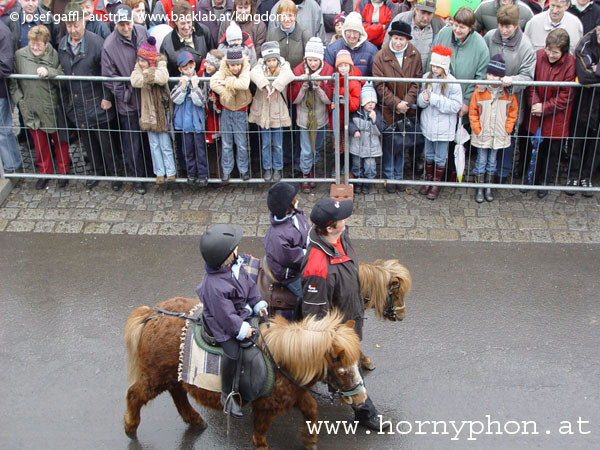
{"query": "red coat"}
{"type": "Point", "coordinates": [213, 118]}
{"type": "Point", "coordinates": [353, 98]}
{"type": "Point", "coordinates": [376, 31]}
{"type": "Point", "coordinates": [557, 102]}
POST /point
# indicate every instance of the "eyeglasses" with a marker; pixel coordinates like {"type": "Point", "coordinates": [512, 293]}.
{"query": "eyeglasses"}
{"type": "Point", "coordinates": [553, 52]}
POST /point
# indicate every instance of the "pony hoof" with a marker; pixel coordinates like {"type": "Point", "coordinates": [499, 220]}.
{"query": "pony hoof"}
{"type": "Point", "coordinates": [200, 426]}
{"type": "Point", "coordinates": [367, 363]}
{"type": "Point", "coordinates": [131, 435]}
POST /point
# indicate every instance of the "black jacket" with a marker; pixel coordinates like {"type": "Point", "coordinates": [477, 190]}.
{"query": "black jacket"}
{"type": "Point", "coordinates": [7, 58]}
{"type": "Point", "coordinates": [172, 45]}
{"type": "Point", "coordinates": [586, 55]}
{"type": "Point", "coordinates": [589, 16]}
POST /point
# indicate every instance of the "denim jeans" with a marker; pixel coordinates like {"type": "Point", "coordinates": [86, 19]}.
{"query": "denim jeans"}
{"type": "Point", "coordinates": [193, 146]}
{"type": "Point", "coordinates": [486, 161]}
{"type": "Point", "coordinates": [272, 151]}
{"type": "Point", "coordinates": [131, 139]}
{"type": "Point", "coordinates": [162, 154]}
{"type": "Point", "coordinates": [393, 164]}
{"type": "Point", "coordinates": [436, 151]}
{"type": "Point", "coordinates": [233, 128]}
{"type": "Point", "coordinates": [9, 150]}
{"type": "Point", "coordinates": [308, 159]}
{"type": "Point", "coordinates": [364, 167]}
{"type": "Point", "coordinates": [504, 157]}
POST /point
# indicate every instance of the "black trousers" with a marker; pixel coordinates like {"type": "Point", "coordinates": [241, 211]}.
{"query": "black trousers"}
{"type": "Point", "coordinates": [106, 158]}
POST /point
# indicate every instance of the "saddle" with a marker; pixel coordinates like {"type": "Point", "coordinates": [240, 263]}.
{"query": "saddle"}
{"type": "Point", "coordinates": [272, 291]}
{"type": "Point", "coordinates": [258, 374]}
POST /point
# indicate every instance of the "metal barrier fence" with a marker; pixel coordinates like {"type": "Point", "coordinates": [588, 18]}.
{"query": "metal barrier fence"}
{"type": "Point", "coordinates": [97, 145]}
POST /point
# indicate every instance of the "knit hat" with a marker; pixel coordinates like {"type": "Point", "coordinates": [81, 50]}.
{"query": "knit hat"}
{"type": "Point", "coordinates": [73, 12]}
{"type": "Point", "coordinates": [214, 58]}
{"type": "Point", "coordinates": [235, 55]}
{"type": "Point", "coordinates": [367, 94]}
{"type": "Point", "coordinates": [148, 51]}
{"type": "Point", "coordinates": [270, 49]}
{"type": "Point", "coordinates": [354, 22]}
{"type": "Point", "coordinates": [280, 196]}
{"type": "Point", "coordinates": [497, 66]}
{"type": "Point", "coordinates": [183, 58]}
{"type": "Point", "coordinates": [233, 32]}
{"type": "Point", "coordinates": [124, 14]}
{"type": "Point", "coordinates": [400, 28]}
{"type": "Point", "coordinates": [440, 57]}
{"type": "Point", "coordinates": [343, 56]}
{"type": "Point", "coordinates": [341, 17]}
{"type": "Point", "coordinates": [314, 48]}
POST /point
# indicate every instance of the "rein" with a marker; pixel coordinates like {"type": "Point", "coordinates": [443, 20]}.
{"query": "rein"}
{"type": "Point", "coordinates": [165, 312]}
{"type": "Point", "coordinates": [390, 309]}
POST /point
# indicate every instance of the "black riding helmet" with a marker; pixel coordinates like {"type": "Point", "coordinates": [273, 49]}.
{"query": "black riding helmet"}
{"type": "Point", "coordinates": [217, 243]}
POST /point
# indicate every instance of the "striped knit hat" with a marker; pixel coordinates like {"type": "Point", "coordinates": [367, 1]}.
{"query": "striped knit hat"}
{"type": "Point", "coordinates": [235, 55]}
{"type": "Point", "coordinates": [497, 66]}
{"type": "Point", "coordinates": [148, 51]}
{"type": "Point", "coordinates": [314, 48]}
{"type": "Point", "coordinates": [270, 49]}
{"type": "Point", "coordinates": [343, 56]}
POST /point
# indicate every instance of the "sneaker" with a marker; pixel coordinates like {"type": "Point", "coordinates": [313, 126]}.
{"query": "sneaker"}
{"type": "Point", "coordinates": [572, 183]}
{"type": "Point", "coordinates": [117, 185]}
{"type": "Point", "coordinates": [390, 188]}
{"type": "Point", "coordinates": [587, 183]}
{"type": "Point", "coordinates": [245, 176]}
{"type": "Point", "coordinates": [268, 175]}
{"type": "Point", "coordinates": [400, 188]}
{"type": "Point", "coordinates": [139, 188]}
{"type": "Point", "coordinates": [225, 178]}
{"type": "Point", "coordinates": [276, 175]}
{"type": "Point", "coordinates": [41, 184]}
{"type": "Point", "coordinates": [192, 181]}
{"type": "Point", "coordinates": [62, 183]}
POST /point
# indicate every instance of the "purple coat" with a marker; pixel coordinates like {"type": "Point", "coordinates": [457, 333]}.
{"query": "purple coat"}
{"type": "Point", "coordinates": [227, 301]}
{"type": "Point", "coordinates": [118, 60]}
{"type": "Point", "coordinates": [285, 245]}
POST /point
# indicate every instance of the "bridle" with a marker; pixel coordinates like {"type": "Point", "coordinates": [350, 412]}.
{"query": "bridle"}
{"type": "Point", "coordinates": [390, 308]}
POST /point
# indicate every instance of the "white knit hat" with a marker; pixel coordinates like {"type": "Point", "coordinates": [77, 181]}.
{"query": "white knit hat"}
{"type": "Point", "coordinates": [270, 49]}
{"type": "Point", "coordinates": [441, 57]}
{"type": "Point", "coordinates": [368, 94]}
{"type": "Point", "coordinates": [233, 32]}
{"type": "Point", "coordinates": [314, 48]}
{"type": "Point", "coordinates": [354, 22]}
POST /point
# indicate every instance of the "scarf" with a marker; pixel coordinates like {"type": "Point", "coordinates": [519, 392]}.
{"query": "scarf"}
{"type": "Point", "coordinates": [399, 53]}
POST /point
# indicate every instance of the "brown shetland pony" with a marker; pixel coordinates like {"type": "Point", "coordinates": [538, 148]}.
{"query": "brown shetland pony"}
{"type": "Point", "coordinates": [309, 350]}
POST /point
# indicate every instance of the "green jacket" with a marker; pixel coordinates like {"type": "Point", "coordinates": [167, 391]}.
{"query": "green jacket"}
{"type": "Point", "coordinates": [469, 58]}
{"type": "Point", "coordinates": [37, 99]}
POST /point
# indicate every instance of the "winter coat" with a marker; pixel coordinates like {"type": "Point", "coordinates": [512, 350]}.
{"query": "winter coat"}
{"type": "Point", "coordinates": [518, 55]}
{"type": "Point", "coordinates": [119, 56]}
{"type": "Point", "coordinates": [212, 109]}
{"type": "Point", "coordinates": [362, 54]}
{"type": "Point", "coordinates": [589, 17]}
{"type": "Point", "coordinates": [233, 91]}
{"type": "Point", "coordinates": [37, 99]}
{"type": "Point", "coordinates": [228, 300]}
{"type": "Point", "coordinates": [152, 83]}
{"type": "Point", "coordinates": [291, 46]}
{"type": "Point", "coordinates": [376, 30]}
{"type": "Point", "coordinates": [330, 280]}
{"type": "Point", "coordinates": [247, 48]}
{"type": "Point", "coordinates": [82, 99]}
{"type": "Point", "coordinates": [391, 93]}
{"type": "Point", "coordinates": [322, 98]}
{"type": "Point", "coordinates": [256, 31]}
{"type": "Point", "coordinates": [469, 61]}
{"type": "Point", "coordinates": [309, 17]}
{"type": "Point", "coordinates": [588, 54]}
{"type": "Point", "coordinates": [492, 118]}
{"type": "Point", "coordinates": [539, 27]}
{"type": "Point", "coordinates": [485, 15]}
{"type": "Point", "coordinates": [172, 45]}
{"type": "Point", "coordinates": [557, 102]}
{"type": "Point", "coordinates": [274, 113]}
{"type": "Point", "coordinates": [285, 244]}
{"type": "Point", "coordinates": [439, 115]}
{"type": "Point", "coordinates": [354, 86]}
{"type": "Point", "coordinates": [368, 145]}
{"type": "Point", "coordinates": [203, 11]}
{"type": "Point", "coordinates": [7, 58]}
{"type": "Point", "coordinates": [189, 104]}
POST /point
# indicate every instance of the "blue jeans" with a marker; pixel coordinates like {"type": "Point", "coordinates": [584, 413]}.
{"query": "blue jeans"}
{"type": "Point", "coordinates": [436, 151]}
{"type": "Point", "coordinates": [486, 161]}
{"type": "Point", "coordinates": [272, 159]}
{"type": "Point", "coordinates": [162, 154]}
{"type": "Point", "coordinates": [505, 159]}
{"type": "Point", "coordinates": [9, 150]}
{"type": "Point", "coordinates": [233, 127]}
{"type": "Point", "coordinates": [393, 164]}
{"type": "Point", "coordinates": [296, 287]}
{"type": "Point", "coordinates": [193, 146]}
{"type": "Point", "coordinates": [308, 159]}
{"type": "Point", "coordinates": [364, 167]}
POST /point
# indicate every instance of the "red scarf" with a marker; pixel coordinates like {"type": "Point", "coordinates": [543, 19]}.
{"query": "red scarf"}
{"type": "Point", "coordinates": [7, 8]}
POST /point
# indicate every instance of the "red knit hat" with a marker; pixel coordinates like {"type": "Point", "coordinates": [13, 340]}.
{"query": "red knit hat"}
{"type": "Point", "coordinates": [441, 57]}
{"type": "Point", "coordinates": [148, 51]}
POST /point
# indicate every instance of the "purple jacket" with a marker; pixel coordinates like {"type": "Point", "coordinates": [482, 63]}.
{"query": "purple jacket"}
{"type": "Point", "coordinates": [118, 60]}
{"type": "Point", "coordinates": [228, 301]}
{"type": "Point", "coordinates": [285, 246]}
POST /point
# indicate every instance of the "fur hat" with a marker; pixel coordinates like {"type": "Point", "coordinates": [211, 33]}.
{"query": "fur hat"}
{"type": "Point", "coordinates": [367, 94]}
{"type": "Point", "coordinates": [400, 28]}
{"type": "Point", "coordinates": [314, 48]}
{"type": "Point", "coordinates": [497, 66]}
{"type": "Point", "coordinates": [235, 55]}
{"type": "Point", "coordinates": [343, 56]}
{"type": "Point", "coordinates": [233, 32]}
{"type": "Point", "coordinates": [270, 49]}
{"type": "Point", "coordinates": [440, 57]}
{"type": "Point", "coordinates": [280, 196]}
{"type": "Point", "coordinates": [148, 51]}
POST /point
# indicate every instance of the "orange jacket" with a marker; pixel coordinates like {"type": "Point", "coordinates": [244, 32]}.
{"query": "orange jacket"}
{"type": "Point", "coordinates": [492, 118]}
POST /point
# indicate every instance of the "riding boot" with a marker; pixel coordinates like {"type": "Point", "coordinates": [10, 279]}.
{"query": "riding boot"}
{"type": "Point", "coordinates": [438, 175]}
{"type": "Point", "coordinates": [479, 196]}
{"type": "Point", "coordinates": [428, 177]}
{"type": "Point", "coordinates": [230, 377]}
{"type": "Point", "coordinates": [489, 195]}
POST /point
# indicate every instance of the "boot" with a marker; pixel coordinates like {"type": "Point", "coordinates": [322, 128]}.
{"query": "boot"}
{"type": "Point", "coordinates": [230, 376]}
{"type": "Point", "coordinates": [489, 194]}
{"type": "Point", "coordinates": [305, 185]}
{"type": "Point", "coordinates": [311, 174]}
{"type": "Point", "coordinates": [479, 196]}
{"type": "Point", "coordinates": [438, 175]}
{"type": "Point", "coordinates": [428, 177]}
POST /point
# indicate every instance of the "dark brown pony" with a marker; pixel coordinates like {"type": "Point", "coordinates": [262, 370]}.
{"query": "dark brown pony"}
{"type": "Point", "coordinates": [310, 351]}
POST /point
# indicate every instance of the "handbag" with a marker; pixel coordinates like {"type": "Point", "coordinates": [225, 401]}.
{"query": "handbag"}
{"type": "Point", "coordinates": [405, 134]}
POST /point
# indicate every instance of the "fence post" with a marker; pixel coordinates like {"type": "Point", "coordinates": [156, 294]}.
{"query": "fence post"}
{"type": "Point", "coordinates": [345, 131]}
{"type": "Point", "coordinates": [336, 129]}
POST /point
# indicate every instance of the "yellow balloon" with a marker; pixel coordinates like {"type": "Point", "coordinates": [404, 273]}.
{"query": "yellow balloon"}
{"type": "Point", "coordinates": [443, 8]}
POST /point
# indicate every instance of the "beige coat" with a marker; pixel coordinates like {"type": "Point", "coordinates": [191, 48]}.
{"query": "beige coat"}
{"type": "Point", "coordinates": [274, 113]}
{"type": "Point", "coordinates": [233, 91]}
{"type": "Point", "coordinates": [154, 94]}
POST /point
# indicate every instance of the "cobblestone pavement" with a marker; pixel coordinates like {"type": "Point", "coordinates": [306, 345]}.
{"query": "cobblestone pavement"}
{"type": "Point", "coordinates": [455, 216]}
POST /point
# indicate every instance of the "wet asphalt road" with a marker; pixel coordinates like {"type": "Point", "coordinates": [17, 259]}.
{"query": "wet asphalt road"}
{"type": "Point", "coordinates": [509, 331]}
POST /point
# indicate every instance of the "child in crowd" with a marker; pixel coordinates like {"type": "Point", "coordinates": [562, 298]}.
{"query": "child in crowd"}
{"type": "Point", "coordinates": [235, 36]}
{"type": "Point", "coordinates": [338, 24]}
{"type": "Point", "coordinates": [492, 114]}
{"type": "Point", "coordinates": [208, 68]}
{"type": "Point", "coordinates": [365, 130]}
{"type": "Point", "coordinates": [286, 239]}
{"type": "Point", "coordinates": [440, 105]}
{"type": "Point", "coordinates": [311, 99]}
{"type": "Point", "coordinates": [269, 108]}
{"type": "Point", "coordinates": [189, 99]}
{"type": "Point", "coordinates": [229, 296]}
{"type": "Point", "coordinates": [37, 102]}
{"type": "Point", "coordinates": [150, 74]}
{"type": "Point", "coordinates": [232, 84]}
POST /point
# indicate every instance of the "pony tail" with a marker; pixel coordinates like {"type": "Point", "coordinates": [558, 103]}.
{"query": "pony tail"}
{"type": "Point", "coordinates": [132, 334]}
